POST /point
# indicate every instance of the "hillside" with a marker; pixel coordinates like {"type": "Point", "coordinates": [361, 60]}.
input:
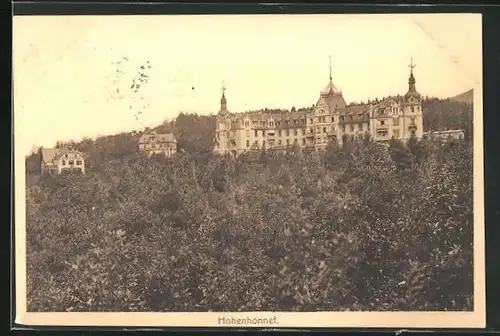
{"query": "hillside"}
{"type": "Point", "coordinates": [464, 97]}
{"type": "Point", "coordinates": [262, 232]}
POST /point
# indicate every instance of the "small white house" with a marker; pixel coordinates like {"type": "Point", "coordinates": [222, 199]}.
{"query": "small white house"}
{"type": "Point", "coordinates": [446, 135]}
{"type": "Point", "coordinates": [58, 160]}
{"type": "Point", "coordinates": [154, 143]}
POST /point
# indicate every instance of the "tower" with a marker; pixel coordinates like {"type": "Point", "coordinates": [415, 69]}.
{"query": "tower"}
{"type": "Point", "coordinates": [412, 108]}
{"type": "Point", "coordinates": [412, 90]}
{"type": "Point", "coordinates": [223, 101]}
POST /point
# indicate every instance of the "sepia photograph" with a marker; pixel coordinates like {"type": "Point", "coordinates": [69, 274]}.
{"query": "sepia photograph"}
{"type": "Point", "coordinates": [249, 170]}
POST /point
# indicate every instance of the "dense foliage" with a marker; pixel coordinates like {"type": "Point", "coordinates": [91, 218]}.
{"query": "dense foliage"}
{"type": "Point", "coordinates": [358, 227]}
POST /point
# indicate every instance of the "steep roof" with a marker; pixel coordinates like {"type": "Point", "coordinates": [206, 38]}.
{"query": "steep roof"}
{"type": "Point", "coordinates": [166, 137]}
{"type": "Point", "coordinates": [354, 109]}
{"type": "Point", "coordinates": [330, 89]}
{"type": "Point", "coordinates": [49, 154]}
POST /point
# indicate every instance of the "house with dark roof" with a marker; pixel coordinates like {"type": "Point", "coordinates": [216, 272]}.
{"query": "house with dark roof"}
{"type": "Point", "coordinates": [155, 143]}
{"type": "Point", "coordinates": [60, 160]}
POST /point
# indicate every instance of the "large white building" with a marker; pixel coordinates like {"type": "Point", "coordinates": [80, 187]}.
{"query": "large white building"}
{"type": "Point", "coordinates": [330, 119]}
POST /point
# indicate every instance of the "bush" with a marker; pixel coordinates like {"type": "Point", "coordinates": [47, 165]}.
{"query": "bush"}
{"type": "Point", "coordinates": [358, 227]}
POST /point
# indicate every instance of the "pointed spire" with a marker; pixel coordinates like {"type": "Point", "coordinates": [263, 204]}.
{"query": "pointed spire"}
{"type": "Point", "coordinates": [330, 62]}
{"type": "Point", "coordinates": [412, 90]}
{"type": "Point", "coordinates": [223, 101]}
{"type": "Point", "coordinates": [411, 66]}
{"type": "Point", "coordinates": [223, 88]}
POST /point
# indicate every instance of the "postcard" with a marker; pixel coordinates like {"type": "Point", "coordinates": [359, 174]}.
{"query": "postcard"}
{"type": "Point", "coordinates": [274, 171]}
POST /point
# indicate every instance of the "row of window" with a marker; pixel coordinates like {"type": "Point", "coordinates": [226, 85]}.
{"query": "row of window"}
{"type": "Point", "coordinates": [383, 111]}
{"type": "Point", "coordinates": [72, 162]}
{"type": "Point", "coordinates": [395, 121]}
{"type": "Point", "coordinates": [153, 146]}
{"type": "Point", "coordinates": [322, 119]}
{"type": "Point", "coordinates": [279, 142]}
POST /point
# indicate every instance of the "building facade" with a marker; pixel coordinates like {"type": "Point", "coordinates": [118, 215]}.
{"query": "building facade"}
{"type": "Point", "coordinates": [329, 119]}
{"type": "Point", "coordinates": [446, 135]}
{"type": "Point", "coordinates": [154, 143]}
{"type": "Point", "coordinates": [60, 160]}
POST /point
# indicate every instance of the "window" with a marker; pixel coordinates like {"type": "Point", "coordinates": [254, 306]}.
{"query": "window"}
{"type": "Point", "coordinates": [278, 123]}
{"type": "Point", "coordinates": [271, 123]}
{"type": "Point", "coordinates": [360, 127]}
{"type": "Point", "coordinates": [295, 122]}
{"type": "Point", "coordinates": [311, 121]}
{"type": "Point", "coordinates": [351, 117]}
{"type": "Point", "coordinates": [248, 143]}
{"type": "Point", "coordinates": [247, 133]}
{"type": "Point", "coordinates": [66, 156]}
{"type": "Point", "coordinates": [333, 119]}
{"type": "Point", "coordinates": [263, 133]}
{"type": "Point", "coordinates": [71, 162]}
{"type": "Point", "coordinates": [303, 141]}
{"type": "Point", "coordinates": [324, 129]}
{"type": "Point", "coordinates": [295, 132]}
{"type": "Point", "coordinates": [279, 132]}
{"type": "Point", "coordinates": [295, 141]}
{"type": "Point", "coordinates": [287, 141]}
{"type": "Point", "coordinates": [382, 122]}
{"type": "Point", "coordinates": [78, 162]}
{"type": "Point", "coordinates": [287, 133]}
{"type": "Point", "coordinates": [246, 124]}
{"type": "Point", "coordinates": [63, 162]}
{"type": "Point", "coordinates": [342, 118]}
{"type": "Point", "coordinates": [263, 143]}
{"type": "Point", "coordinates": [279, 142]}
{"type": "Point", "coordinates": [352, 128]}
{"type": "Point", "coordinates": [152, 145]}
{"type": "Point", "coordinates": [412, 109]}
{"type": "Point", "coordinates": [343, 128]}
{"type": "Point", "coordinates": [395, 122]}
{"type": "Point", "coordinates": [256, 133]}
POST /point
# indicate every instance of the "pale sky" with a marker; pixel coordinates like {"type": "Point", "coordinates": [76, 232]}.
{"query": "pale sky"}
{"type": "Point", "coordinates": [65, 68]}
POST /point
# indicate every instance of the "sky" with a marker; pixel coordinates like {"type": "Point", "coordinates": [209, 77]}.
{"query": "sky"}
{"type": "Point", "coordinates": [72, 74]}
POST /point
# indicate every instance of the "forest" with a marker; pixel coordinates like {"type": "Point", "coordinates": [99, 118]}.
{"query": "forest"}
{"type": "Point", "coordinates": [361, 226]}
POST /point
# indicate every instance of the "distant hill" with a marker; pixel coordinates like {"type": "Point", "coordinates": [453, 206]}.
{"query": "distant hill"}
{"type": "Point", "coordinates": [465, 97]}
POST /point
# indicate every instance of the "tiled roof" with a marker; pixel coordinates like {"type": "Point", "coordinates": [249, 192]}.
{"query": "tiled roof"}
{"type": "Point", "coordinates": [167, 137]}
{"type": "Point", "coordinates": [49, 154]}
{"type": "Point", "coordinates": [329, 89]}
{"type": "Point", "coordinates": [354, 109]}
